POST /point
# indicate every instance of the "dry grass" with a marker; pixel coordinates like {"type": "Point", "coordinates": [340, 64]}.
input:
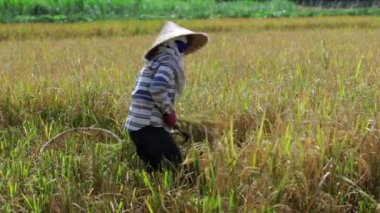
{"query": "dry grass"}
{"type": "Point", "coordinates": [104, 29]}
{"type": "Point", "coordinates": [292, 117]}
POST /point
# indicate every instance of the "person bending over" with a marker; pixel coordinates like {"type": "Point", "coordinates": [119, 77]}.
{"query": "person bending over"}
{"type": "Point", "coordinates": [152, 115]}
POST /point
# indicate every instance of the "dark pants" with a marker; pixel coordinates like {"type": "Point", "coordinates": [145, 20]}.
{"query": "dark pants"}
{"type": "Point", "coordinates": [153, 145]}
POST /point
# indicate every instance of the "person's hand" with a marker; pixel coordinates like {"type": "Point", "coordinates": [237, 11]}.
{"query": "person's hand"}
{"type": "Point", "coordinates": [170, 119]}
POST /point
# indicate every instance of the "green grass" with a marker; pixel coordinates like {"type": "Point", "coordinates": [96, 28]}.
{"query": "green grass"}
{"type": "Point", "coordinates": [12, 11]}
{"type": "Point", "coordinates": [83, 10]}
{"type": "Point", "coordinates": [291, 113]}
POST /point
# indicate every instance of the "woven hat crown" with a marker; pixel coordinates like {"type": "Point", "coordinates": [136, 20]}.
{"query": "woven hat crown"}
{"type": "Point", "coordinates": [171, 30]}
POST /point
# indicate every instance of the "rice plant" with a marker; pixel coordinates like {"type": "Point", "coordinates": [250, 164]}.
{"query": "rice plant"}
{"type": "Point", "coordinates": [283, 117]}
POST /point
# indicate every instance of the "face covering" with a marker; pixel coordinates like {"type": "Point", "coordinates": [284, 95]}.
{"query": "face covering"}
{"type": "Point", "coordinates": [182, 46]}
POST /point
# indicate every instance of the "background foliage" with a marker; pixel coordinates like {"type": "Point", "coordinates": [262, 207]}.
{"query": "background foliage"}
{"type": "Point", "coordinates": [86, 10]}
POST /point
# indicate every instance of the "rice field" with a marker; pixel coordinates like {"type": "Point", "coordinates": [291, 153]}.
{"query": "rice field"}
{"type": "Point", "coordinates": [282, 118]}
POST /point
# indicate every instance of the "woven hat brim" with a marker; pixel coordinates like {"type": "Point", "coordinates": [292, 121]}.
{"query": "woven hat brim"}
{"type": "Point", "coordinates": [197, 41]}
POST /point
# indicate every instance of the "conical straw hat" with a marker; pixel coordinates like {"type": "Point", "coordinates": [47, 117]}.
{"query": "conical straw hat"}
{"type": "Point", "coordinates": [172, 30]}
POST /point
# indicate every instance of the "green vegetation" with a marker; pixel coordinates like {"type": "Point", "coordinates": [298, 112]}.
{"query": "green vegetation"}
{"type": "Point", "coordinates": [87, 10]}
{"type": "Point", "coordinates": [291, 113]}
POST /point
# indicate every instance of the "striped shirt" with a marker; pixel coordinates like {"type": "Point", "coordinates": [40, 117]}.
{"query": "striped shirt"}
{"type": "Point", "coordinates": [154, 93]}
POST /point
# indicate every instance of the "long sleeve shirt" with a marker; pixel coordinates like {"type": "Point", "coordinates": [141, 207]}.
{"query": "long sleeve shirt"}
{"type": "Point", "coordinates": [154, 93]}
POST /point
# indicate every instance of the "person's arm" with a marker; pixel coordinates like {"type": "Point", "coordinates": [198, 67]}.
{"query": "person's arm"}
{"type": "Point", "coordinates": [159, 88]}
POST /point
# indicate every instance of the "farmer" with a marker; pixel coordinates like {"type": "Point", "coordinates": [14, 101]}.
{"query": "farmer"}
{"type": "Point", "coordinates": [152, 115]}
